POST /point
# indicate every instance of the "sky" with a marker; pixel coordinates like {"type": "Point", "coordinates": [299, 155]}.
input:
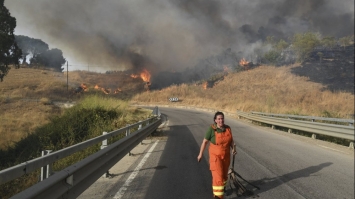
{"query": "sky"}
{"type": "Point", "coordinates": [170, 35]}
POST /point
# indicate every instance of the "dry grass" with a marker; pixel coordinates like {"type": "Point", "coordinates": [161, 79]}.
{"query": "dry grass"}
{"type": "Point", "coordinates": [264, 89]}
{"type": "Point", "coordinates": [25, 102]}
{"type": "Point", "coordinates": [113, 81]}
{"type": "Point", "coordinates": [27, 96]}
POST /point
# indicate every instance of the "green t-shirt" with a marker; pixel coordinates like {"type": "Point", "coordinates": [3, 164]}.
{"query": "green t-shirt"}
{"type": "Point", "coordinates": [210, 134]}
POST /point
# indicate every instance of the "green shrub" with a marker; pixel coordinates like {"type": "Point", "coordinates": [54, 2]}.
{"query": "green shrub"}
{"type": "Point", "coordinates": [84, 121]}
{"type": "Point", "coordinates": [272, 56]}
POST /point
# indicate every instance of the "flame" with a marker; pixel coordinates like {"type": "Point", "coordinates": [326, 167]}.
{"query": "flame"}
{"type": "Point", "coordinates": [204, 85]}
{"type": "Point", "coordinates": [145, 75]}
{"type": "Point", "coordinates": [84, 87]}
{"type": "Point", "coordinates": [106, 91]}
{"type": "Point", "coordinates": [243, 62]}
{"type": "Point", "coordinates": [225, 69]}
{"type": "Point", "coordinates": [117, 91]}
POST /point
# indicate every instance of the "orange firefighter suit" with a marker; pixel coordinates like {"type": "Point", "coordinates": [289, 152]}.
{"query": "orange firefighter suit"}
{"type": "Point", "coordinates": [219, 154]}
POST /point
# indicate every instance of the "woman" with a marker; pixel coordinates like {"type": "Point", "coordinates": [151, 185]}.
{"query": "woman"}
{"type": "Point", "coordinates": [221, 141]}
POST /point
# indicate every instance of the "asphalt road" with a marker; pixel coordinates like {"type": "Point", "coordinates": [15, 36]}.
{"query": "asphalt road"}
{"type": "Point", "coordinates": [281, 164]}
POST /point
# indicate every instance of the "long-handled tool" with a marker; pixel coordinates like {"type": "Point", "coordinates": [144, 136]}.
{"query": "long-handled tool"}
{"type": "Point", "coordinates": [240, 188]}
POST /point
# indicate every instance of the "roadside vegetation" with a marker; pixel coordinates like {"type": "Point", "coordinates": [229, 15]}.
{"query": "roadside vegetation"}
{"type": "Point", "coordinates": [89, 118]}
{"type": "Point", "coordinates": [29, 97]}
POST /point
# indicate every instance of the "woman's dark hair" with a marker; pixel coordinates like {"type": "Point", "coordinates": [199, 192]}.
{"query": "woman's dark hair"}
{"type": "Point", "coordinates": [216, 114]}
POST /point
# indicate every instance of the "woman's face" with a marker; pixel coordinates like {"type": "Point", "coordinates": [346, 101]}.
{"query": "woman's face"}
{"type": "Point", "coordinates": [219, 120]}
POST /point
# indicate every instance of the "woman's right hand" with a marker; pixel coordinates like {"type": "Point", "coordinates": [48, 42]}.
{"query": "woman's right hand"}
{"type": "Point", "coordinates": [199, 158]}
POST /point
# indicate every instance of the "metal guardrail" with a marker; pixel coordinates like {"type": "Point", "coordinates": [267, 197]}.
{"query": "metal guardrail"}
{"type": "Point", "coordinates": [156, 111]}
{"type": "Point", "coordinates": [312, 118]}
{"type": "Point", "coordinates": [73, 180]}
{"type": "Point", "coordinates": [333, 130]}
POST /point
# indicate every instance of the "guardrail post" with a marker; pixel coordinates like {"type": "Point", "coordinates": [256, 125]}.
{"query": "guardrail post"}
{"type": "Point", "coordinates": [104, 142]}
{"type": "Point", "coordinates": [128, 132]}
{"type": "Point", "coordinates": [314, 136]}
{"type": "Point", "coordinates": [46, 171]}
{"type": "Point", "coordinates": [351, 145]}
{"type": "Point", "coordinates": [70, 180]}
{"type": "Point", "coordinates": [104, 145]}
{"type": "Point", "coordinates": [140, 127]}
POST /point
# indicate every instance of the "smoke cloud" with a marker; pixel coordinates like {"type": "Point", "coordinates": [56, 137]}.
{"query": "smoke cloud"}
{"type": "Point", "coordinates": [171, 35]}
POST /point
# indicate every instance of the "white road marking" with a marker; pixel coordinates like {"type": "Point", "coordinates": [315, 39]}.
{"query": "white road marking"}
{"type": "Point", "coordinates": [123, 189]}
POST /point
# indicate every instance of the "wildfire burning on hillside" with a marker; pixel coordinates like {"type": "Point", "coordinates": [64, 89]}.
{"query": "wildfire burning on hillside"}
{"type": "Point", "coordinates": [175, 43]}
{"type": "Point", "coordinates": [81, 88]}
{"type": "Point", "coordinates": [84, 87]}
{"type": "Point", "coordinates": [243, 62]}
{"type": "Point", "coordinates": [225, 69]}
{"type": "Point", "coordinates": [204, 85]}
{"type": "Point", "coordinates": [144, 75]}
{"type": "Point", "coordinates": [106, 91]}
{"type": "Point", "coordinates": [117, 91]}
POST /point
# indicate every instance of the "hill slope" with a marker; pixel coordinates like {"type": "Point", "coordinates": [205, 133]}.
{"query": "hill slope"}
{"type": "Point", "coordinates": [334, 69]}
{"type": "Point", "coordinates": [264, 89]}
{"type": "Point", "coordinates": [28, 96]}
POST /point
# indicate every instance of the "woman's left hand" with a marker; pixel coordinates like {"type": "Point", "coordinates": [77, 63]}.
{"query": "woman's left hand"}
{"type": "Point", "coordinates": [234, 152]}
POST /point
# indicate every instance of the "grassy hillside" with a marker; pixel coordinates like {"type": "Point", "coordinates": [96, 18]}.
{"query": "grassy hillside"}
{"type": "Point", "coordinates": [89, 118]}
{"type": "Point", "coordinates": [28, 97]}
{"type": "Point", "coordinates": [264, 89]}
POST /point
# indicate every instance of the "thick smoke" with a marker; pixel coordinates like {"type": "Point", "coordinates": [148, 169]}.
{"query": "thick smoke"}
{"type": "Point", "coordinates": [171, 35]}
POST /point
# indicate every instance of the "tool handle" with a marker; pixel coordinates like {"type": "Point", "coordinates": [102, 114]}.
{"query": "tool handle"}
{"type": "Point", "coordinates": [233, 161]}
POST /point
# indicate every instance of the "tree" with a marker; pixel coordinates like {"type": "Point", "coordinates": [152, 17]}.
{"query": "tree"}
{"type": "Point", "coordinates": [304, 44]}
{"type": "Point", "coordinates": [272, 56]}
{"type": "Point", "coordinates": [281, 45]}
{"type": "Point", "coordinates": [51, 58]}
{"type": "Point", "coordinates": [30, 45]}
{"type": "Point", "coordinates": [328, 42]}
{"type": "Point", "coordinates": [9, 51]}
{"type": "Point", "coordinates": [345, 41]}
{"type": "Point", "coordinates": [270, 40]}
